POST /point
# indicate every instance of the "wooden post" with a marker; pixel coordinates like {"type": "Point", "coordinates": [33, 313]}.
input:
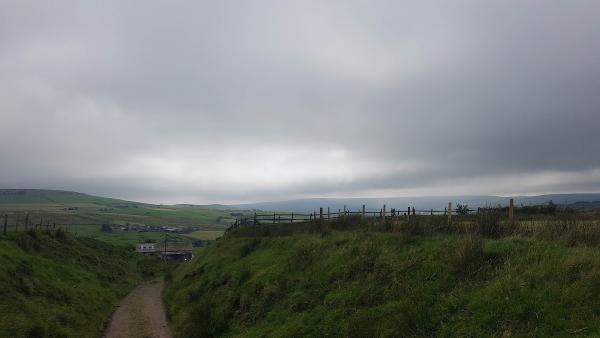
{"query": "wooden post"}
{"type": "Point", "coordinates": [363, 211]}
{"type": "Point", "coordinates": [449, 213]}
{"type": "Point", "coordinates": [5, 222]}
{"type": "Point", "coordinates": [408, 214]}
{"type": "Point", "coordinates": [384, 211]}
{"type": "Point", "coordinates": [321, 213]}
{"type": "Point", "coordinates": [328, 213]}
{"type": "Point", "coordinates": [511, 205]}
{"type": "Point", "coordinates": [273, 218]}
{"type": "Point", "coordinates": [414, 212]}
{"type": "Point", "coordinates": [292, 219]}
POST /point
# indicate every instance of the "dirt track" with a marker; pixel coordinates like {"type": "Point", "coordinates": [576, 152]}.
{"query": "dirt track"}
{"type": "Point", "coordinates": [140, 315]}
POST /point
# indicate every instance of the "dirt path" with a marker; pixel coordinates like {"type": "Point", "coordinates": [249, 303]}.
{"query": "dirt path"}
{"type": "Point", "coordinates": [140, 315]}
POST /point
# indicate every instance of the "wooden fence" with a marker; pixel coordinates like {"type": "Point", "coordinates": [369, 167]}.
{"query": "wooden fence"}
{"type": "Point", "coordinates": [327, 214]}
{"type": "Point", "coordinates": [24, 222]}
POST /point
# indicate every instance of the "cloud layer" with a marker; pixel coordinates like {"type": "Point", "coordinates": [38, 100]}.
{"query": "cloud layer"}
{"type": "Point", "coordinates": [242, 101]}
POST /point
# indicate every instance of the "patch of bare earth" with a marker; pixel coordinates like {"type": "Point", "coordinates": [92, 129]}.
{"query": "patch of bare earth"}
{"type": "Point", "coordinates": [141, 314]}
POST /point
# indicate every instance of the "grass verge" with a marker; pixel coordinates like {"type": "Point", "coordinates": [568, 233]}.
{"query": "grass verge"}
{"type": "Point", "coordinates": [53, 284]}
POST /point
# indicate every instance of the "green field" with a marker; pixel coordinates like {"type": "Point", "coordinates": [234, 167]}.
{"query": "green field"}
{"type": "Point", "coordinates": [124, 238]}
{"type": "Point", "coordinates": [205, 235]}
{"type": "Point", "coordinates": [352, 278]}
{"type": "Point", "coordinates": [53, 284]}
{"type": "Point", "coordinates": [84, 214]}
{"type": "Point", "coordinates": [75, 208]}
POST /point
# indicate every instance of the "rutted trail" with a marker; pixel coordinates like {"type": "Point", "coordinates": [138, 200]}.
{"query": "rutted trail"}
{"type": "Point", "coordinates": [141, 314]}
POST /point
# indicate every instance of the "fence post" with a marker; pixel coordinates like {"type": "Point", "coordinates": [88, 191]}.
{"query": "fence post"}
{"type": "Point", "coordinates": [292, 219]}
{"type": "Point", "coordinates": [273, 218]}
{"type": "Point", "coordinates": [408, 214]}
{"type": "Point", "coordinates": [449, 213]}
{"type": "Point", "coordinates": [363, 211]}
{"type": "Point", "coordinates": [321, 213]}
{"type": "Point", "coordinates": [414, 212]}
{"type": "Point", "coordinates": [5, 222]}
{"type": "Point", "coordinates": [328, 213]}
{"type": "Point", "coordinates": [384, 211]}
{"type": "Point", "coordinates": [511, 208]}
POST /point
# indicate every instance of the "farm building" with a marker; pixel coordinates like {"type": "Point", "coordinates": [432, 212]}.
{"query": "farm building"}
{"type": "Point", "coordinates": [169, 251]}
{"type": "Point", "coordinates": [146, 248]}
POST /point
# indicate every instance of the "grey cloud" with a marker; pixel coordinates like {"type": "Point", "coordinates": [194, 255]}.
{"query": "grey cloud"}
{"type": "Point", "coordinates": [464, 91]}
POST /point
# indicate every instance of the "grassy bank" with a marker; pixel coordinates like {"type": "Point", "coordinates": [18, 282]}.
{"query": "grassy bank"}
{"type": "Point", "coordinates": [53, 284]}
{"type": "Point", "coordinates": [486, 278]}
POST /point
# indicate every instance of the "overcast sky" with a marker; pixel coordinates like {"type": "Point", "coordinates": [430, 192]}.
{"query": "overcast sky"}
{"type": "Point", "coordinates": [240, 101]}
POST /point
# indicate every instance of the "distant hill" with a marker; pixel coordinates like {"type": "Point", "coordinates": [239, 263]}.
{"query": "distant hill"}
{"type": "Point", "coordinates": [423, 203]}
{"type": "Point", "coordinates": [67, 207]}
{"type": "Point", "coordinates": [27, 196]}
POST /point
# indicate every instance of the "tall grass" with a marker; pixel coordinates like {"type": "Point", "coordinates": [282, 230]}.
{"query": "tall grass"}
{"type": "Point", "coordinates": [568, 228]}
{"type": "Point", "coordinates": [421, 278]}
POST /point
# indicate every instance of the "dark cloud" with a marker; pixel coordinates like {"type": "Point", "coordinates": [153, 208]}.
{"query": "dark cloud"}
{"type": "Point", "coordinates": [243, 101]}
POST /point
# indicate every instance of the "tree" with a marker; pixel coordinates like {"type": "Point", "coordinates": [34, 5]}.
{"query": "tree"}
{"type": "Point", "coordinates": [462, 209]}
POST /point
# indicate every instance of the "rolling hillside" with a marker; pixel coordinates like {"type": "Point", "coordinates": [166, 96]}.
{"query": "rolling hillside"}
{"type": "Point", "coordinates": [36, 196]}
{"type": "Point", "coordinates": [76, 208]}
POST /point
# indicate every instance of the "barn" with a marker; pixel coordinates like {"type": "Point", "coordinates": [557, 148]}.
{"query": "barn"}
{"type": "Point", "coordinates": [169, 251]}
